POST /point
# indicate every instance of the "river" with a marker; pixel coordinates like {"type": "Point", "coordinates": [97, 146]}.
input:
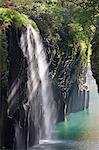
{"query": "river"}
{"type": "Point", "coordinates": [79, 131]}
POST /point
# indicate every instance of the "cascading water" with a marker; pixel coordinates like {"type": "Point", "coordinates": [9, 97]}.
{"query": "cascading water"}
{"type": "Point", "coordinates": [38, 78]}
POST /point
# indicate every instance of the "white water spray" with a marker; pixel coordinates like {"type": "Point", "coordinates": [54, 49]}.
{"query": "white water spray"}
{"type": "Point", "coordinates": [38, 74]}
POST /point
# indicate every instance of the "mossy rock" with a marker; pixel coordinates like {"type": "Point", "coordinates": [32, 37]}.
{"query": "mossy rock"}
{"type": "Point", "coordinates": [11, 17]}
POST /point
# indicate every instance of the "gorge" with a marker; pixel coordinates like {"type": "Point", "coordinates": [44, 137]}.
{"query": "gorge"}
{"type": "Point", "coordinates": [41, 86]}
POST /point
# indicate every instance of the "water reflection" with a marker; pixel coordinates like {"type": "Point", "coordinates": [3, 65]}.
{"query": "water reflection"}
{"type": "Point", "coordinates": [68, 145]}
{"type": "Point", "coordinates": [85, 124]}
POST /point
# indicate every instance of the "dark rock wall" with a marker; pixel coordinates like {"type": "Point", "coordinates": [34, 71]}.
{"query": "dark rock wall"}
{"type": "Point", "coordinates": [3, 86]}
{"type": "Point", "coordinates": [22, 118]}
{"type": "Point", "coordinates": [95, 56]}
{"type": "Point", "coordinates": [64, 70]}
{"type": "Point", "coordinates": [16, 88]}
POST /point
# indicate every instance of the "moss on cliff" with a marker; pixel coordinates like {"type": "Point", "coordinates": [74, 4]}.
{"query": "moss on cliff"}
{"type": "Point", "coordinates": [3, 59]}
{"type": "Point", "coordinates": [9, 17]}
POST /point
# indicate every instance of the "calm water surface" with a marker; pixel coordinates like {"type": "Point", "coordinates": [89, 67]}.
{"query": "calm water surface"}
{"type": "Point", "coordinates": [80, 131]}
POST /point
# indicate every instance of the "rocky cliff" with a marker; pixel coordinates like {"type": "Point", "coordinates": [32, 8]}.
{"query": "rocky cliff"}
{"type": "Point", "coordinates": [66, 68]}
{"type": "Point", "coordinates": [95, 55]}
{"type": "Point", "coordinates": [13, 78]}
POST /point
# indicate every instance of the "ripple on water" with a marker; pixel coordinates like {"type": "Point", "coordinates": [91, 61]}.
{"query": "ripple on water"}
{"type": "Point", "coordinates": [67, 145]}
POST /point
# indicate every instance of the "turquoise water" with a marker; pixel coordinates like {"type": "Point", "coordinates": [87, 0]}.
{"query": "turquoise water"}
{"type": "Point", "coordinates": [79, 131]}
{"type": "Point", "coordinates": [83, 125]}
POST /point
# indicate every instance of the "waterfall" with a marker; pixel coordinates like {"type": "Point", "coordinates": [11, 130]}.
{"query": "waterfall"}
{"type": "Point", "coordinates": [38, 78]}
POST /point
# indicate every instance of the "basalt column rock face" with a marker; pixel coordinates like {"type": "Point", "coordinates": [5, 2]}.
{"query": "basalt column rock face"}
{"type": "Point", "coordinates": [95, 56]}
{"type": "Point", "coordinates": [65, 72]}
{"type": "Point", "coordinates": [16, 88]}
{"type": "Point", "coordinates": [31, 106]}
{"type": "Point", "coordinates": [24, 117]}
{"type": "Point", "coordinates": [60, 102]}
{"type": "Point", "coordinates": [29, 112]}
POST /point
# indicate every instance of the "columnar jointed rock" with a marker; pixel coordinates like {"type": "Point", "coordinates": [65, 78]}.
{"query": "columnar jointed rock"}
{"type": "Point", "coordinates": [95, 55]}
{"type": "Point", "coordinates": [66, 69]}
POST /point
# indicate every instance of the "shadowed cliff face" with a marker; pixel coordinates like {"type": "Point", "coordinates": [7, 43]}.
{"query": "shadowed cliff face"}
{"type": "Point", "coordinates": [3, 85]}
{"type": "Point", "coordinates": [24, 117]}
{"type": "Point", "coordinates": [16, 86]}
{"type": "Point", "coordinates": [65, 72]}
{"type": "Point", "coordinates": [95, 57]}
{"type": "Point", "coordinates": [25, 123]}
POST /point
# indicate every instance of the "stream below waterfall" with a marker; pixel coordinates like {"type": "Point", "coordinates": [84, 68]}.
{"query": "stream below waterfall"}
{"type": "Point", "coordinates": [79, 131]}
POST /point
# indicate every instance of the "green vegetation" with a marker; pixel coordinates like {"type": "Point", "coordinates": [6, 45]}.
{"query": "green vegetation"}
{"type": "Point", "coordinates": [9, 17]}
{"type": "Point", "coordinates": [3, 59]}
{"type": "Point", "coordinates": [58, 16]}
{"type": "Point", "coordinates": [67, 26]}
